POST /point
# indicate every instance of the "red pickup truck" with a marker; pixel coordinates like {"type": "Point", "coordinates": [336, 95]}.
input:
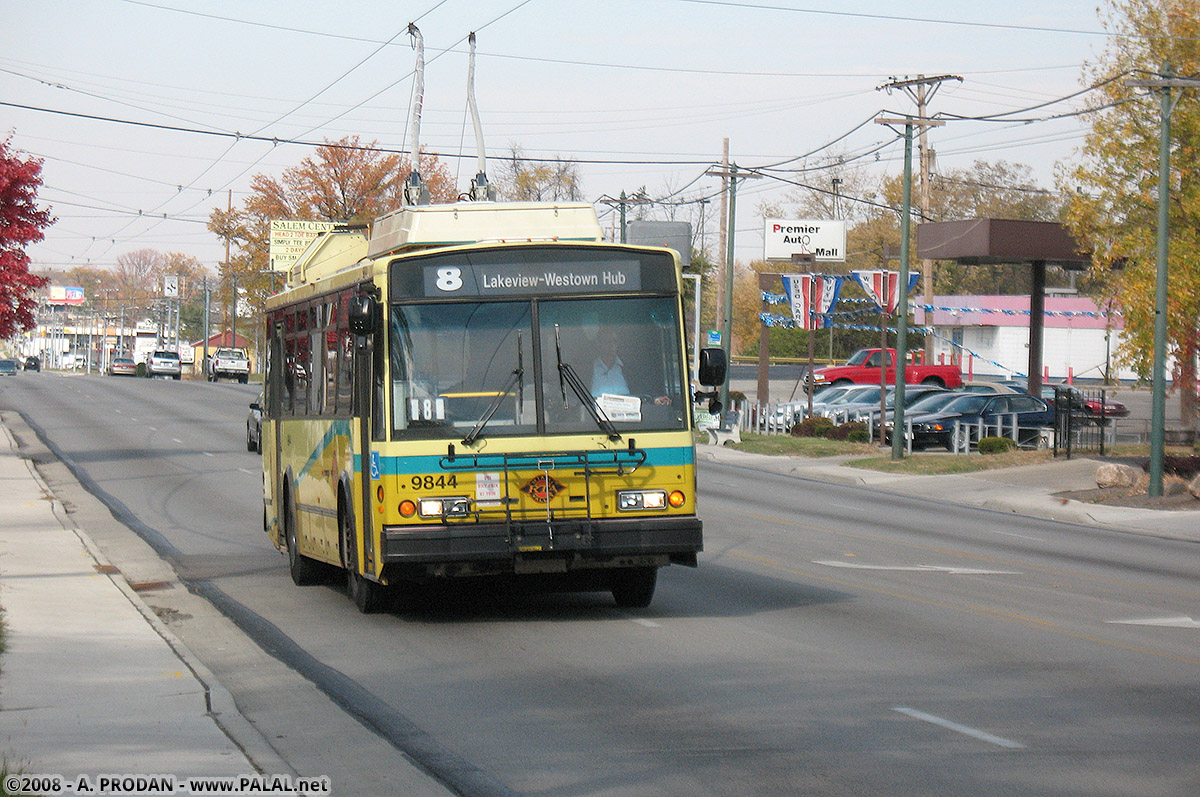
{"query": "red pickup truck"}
{"type": "Point", "coordinates": [864, 365]}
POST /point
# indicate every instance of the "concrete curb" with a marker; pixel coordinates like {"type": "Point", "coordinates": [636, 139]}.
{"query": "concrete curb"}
{"type": "Point", "coordinates": [221, 707]}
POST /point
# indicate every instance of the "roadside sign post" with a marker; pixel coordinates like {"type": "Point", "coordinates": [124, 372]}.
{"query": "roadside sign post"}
{"type": "Point", "coordinates": [805, 242]}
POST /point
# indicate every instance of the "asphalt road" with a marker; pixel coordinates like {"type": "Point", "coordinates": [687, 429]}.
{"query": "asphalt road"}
{"type": "Point", "coordinates": [833, 640]}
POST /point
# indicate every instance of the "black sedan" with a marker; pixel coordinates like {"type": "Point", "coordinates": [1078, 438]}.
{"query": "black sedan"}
{"type": "Point", "coordinates": [1032, 414]}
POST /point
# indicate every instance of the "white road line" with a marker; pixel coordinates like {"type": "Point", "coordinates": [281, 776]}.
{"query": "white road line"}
{"type": "Point", "coordinates": [176, 439]}
{"type": "Point", "coordinates": [1021, 536]}
{"type": "Point", "coordinates": [974, 733]}
{"type": "Point", "coordinates": [251, 472]}
{"type": "Point", "coordinates": [956, 571]}
{"type": "Point", "coordinates": [208, 454]}
{"type": "Point", "coordinates": [1169, 622]}
{"type": "Point", "coordinates": [646, 623]}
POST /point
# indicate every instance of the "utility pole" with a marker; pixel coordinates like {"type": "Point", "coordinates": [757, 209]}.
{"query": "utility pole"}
{"type": "Point", "coordinates": [731, 174]}
{"type": "Point", "coordinates": [207, 331]}
{"type": "Point", "coordinates": [622, 202]}
{"type": "Point", "coordinates": [1158, 407]}
{"type": "Point", "coordinates": [902, 308]}
{"type": "Point", "coordinates": [232, 279]}
{"type": "Point", "coordinates": [722, 233]}
{"type": "Point", "coordinates": [921, 89]}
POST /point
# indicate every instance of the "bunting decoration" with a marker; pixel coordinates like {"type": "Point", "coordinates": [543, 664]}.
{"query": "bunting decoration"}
{"type": "Point", "coordinates": [812, 297]}
{"type": "Point", "coordinates": [884, 287]}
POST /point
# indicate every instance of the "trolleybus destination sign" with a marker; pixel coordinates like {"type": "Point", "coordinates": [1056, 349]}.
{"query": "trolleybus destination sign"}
{"type": "Point", "coordinates": [823, 239]}
{"type": "Point", "coordinates": [511, 279]}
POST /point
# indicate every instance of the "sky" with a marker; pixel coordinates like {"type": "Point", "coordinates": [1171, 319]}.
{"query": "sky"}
{"type": "Point", "coordinates": [136, 106]}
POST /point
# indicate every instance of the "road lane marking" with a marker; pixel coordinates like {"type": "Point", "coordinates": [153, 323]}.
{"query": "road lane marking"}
{"type": "Point", "coordinates": [1168, 622]}
{"type": "Point", "coordinates": [1020, 536]}
{"type": "Point", "coordinates": [208, 453]}
{"type": "Point", "coordinates": [955, 571]}
{"type": "Point", "coordinates": [645, 623]}
{"type": "Point", "coordinates": [251, 472]}
{"type": "Point", "coordinates": [974, 733]}
{"type": "Point", "coordinates": [980, 611]}
{"type": "Point", "coordinates": [176, 439]}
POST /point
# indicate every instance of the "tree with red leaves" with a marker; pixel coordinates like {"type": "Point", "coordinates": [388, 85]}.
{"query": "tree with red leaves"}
{"type": "Point", "coordinates": [21, 224]}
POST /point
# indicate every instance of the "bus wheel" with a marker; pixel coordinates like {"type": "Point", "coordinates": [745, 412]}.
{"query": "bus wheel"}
{"type": "Point", "coordinates": [367, 595]}
{"type": "Point", "coordinates": [304, 570]}
{"type": "Point", "coordinates": [634, 588]}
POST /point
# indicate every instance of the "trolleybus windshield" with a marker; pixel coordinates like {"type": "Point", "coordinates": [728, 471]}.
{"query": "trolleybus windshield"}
{"type": "Point", "coordinates": [509, 364]}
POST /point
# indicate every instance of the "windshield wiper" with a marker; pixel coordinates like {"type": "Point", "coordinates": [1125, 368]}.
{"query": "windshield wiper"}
{"type": "Point", "coordinates": [568, 378]}
{"type": "Point", "coordinates": [517, 379]}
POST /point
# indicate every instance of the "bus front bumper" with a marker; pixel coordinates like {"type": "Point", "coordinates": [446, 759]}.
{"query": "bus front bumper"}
{"type": "Point", "coordinates": [565, 544]}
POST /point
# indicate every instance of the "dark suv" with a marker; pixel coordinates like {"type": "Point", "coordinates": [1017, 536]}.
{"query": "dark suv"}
{"type": "Point", "coordinates": [33, 364]}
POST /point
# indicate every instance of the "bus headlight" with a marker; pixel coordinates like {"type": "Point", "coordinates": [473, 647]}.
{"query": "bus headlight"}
{"type": "Point", "coordinates": [456, 506]}
{"type": "Point", "coordinates": [629, 500]}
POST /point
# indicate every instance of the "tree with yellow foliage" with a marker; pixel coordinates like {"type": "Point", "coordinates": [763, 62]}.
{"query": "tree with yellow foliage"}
{"type": "Point", "coordinates": [1114, 188]}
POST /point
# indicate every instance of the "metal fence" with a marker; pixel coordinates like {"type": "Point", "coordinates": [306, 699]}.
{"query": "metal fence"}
{"type": "Point", "coordinates": [1082, 424]}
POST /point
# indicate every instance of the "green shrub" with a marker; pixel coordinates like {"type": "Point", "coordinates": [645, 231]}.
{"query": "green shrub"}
{"type": "Point", "coordinates": [844, 431]}
{"type": "Point", "coordinates": [141, 369]}
{"type": "Point", "coordinates": [996, 445]}
{"type": "Point", "coordinates": [817, 426]}
{"type": "Point", "coordinates": [858, 436]}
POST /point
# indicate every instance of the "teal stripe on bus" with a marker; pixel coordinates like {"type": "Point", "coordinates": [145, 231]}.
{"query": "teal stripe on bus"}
{"type": "Point", "coordinates": [677, 456]}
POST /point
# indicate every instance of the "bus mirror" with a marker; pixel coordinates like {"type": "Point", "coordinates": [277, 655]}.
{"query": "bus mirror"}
{"type": "Point", "coordinates": [712, 367]}
{"type": "Point", "coordinates": [362, 314]}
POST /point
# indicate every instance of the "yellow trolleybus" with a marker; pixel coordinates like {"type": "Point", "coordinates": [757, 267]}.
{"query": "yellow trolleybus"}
{"type": "Point", "coordinates": [481, 389]}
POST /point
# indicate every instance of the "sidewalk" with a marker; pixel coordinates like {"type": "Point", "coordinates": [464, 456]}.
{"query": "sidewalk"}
{"type": "Point", "coordinates": [91, 681]}
{"type": "Point", "coordinates": [1027, 490]}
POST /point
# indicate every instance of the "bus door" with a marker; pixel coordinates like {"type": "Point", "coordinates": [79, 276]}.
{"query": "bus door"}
{"type": "Point", "coordinates": [270, 437]}
{"type": "Point", "coordinates": [364, 323]}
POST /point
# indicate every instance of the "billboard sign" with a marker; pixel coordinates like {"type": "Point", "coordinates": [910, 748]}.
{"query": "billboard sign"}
{"type": "Point", "coordinates": [825, 240]}
{"type": "Point", "coordinates": [289, 239]}
{"type": "Point", "coordinates": [60, 294]}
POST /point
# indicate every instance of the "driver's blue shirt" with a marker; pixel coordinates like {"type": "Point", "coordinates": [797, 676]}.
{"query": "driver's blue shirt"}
{"type": "Point", "coordinates": [609, 379]}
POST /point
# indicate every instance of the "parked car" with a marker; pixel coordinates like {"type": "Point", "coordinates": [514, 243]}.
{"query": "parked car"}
{"type": "Point", "coordinates": [989, 387]}
{"type": "Point", "coordinates": [122, 366]}
{"type": "Point", "coordinates": [1085, 404]}
{"type": "Point", "coordinates": [8, 367]}
{"type": "Point", "coordinates": [33, 364]}
{"type": "Point", "coordinates": [164, 362]}
{"type": "Point", "coordinates": [938, 428]}
{"type": "Point", "coordinates": [924, 404]}
{"type": "Point", "coordinates": [792, 412]}
{"type": "Point", "coordinates": [254, 425]}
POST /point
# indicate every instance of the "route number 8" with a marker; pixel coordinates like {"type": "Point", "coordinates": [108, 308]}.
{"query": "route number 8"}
{"type": "Point", "coordinates": [449, 279]}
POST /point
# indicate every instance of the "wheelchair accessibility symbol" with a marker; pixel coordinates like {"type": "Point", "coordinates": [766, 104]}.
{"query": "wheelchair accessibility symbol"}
{"type": "Point", "coordinates": [374, 464]}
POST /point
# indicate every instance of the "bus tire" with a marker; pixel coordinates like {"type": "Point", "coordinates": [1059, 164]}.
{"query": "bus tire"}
{"type": "Point", "coordinates": [634, 588]}
{"type": "Point", "coordinates": [367, 595]}
{"type": "Point", "coordinates": [304, 571]}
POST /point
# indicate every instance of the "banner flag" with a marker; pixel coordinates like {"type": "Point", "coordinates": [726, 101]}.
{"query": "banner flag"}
{"type": "Point", "coordinates": [884, 287]}
{"type": "Point", "coordinates": [812, 298]}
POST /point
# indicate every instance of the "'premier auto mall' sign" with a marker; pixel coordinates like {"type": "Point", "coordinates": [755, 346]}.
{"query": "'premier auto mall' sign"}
{"type": "Point", "coordinates": [824, 240]}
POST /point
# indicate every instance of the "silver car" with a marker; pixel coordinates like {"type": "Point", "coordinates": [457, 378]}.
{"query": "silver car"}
{"type": "Point", "coordinates": [164, 362]}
